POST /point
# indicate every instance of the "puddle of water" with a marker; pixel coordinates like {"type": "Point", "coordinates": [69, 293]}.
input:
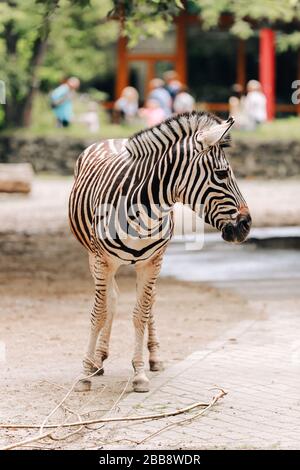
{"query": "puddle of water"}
{"type": "Point", "coordinates": [244, 268]}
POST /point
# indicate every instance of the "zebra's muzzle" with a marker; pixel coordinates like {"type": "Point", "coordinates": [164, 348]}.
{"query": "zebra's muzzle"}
{"type": "Point", "coordinates": [236, 232]}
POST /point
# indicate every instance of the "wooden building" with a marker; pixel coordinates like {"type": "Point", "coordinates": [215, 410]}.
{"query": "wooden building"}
{"type": "Point", "coordinates": [173, 53]}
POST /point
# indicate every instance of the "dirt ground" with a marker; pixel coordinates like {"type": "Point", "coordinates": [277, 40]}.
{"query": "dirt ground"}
{"type": "Point", "coordinates": [272, 203]}
{"type": "Point", "coordinates": [46, 294]}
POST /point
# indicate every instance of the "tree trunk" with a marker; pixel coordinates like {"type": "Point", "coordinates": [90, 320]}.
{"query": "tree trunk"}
{"type": "Point", "coordinates": [37, 58]}
{"type": "Point", "coordinates": [13, 112]}
{"type": "Point", "coordinates": [18, 112]}
{"type": "Point", "coordinates": [38, 53]}
{"type": "Point", "coordinates": [11, 109]}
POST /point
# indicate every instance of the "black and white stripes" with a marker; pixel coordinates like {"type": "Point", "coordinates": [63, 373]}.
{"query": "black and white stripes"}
{"type": "Point", "coordinates": [129, 187]}
{"type": "Point", "coordinates": [121, 204]}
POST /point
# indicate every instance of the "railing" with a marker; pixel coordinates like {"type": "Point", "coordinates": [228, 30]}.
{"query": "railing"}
{"type": "Point", "coordinates": [224, 107]}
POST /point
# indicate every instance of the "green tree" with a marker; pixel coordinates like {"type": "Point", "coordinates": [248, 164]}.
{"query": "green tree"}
{"type": "Point", "coordinates": [144, 18]}
{"type": "Point", "coordinates": [151, 17]}
{"type": "Point", "coordinates": [46, 39]}
{"type": "Point", "coordinates": [24, 30]}
{"type": "Point", "coordinates": [249, 14]}
{"type": "Point", "coordinates": [78, 43]}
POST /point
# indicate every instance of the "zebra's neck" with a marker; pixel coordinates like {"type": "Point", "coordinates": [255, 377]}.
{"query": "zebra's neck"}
{"type": "Point", "coordinates": [153, 143]}
{"type": "Point", "coordinates": [156, 153]}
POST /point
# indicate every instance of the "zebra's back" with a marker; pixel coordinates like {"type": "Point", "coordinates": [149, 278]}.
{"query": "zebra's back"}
{"type": "Point", "coordinates": [109, 188]}
{"type": "Point", "coordinates": [91, 167]}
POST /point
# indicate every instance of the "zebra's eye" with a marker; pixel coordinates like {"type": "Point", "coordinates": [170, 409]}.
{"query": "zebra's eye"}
{"type": "Point", "coordinates": [222, 174]}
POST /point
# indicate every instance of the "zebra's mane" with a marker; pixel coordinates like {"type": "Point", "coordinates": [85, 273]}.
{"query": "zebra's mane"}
{"type": "Point", "coordinates": [184, 125]}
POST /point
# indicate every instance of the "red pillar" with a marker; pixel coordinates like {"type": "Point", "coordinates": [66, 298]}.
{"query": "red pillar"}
{"type": "Point", "coordinates": [241, 64]}
{"type": "Point", "coordinates": [122, 65]}
{"type": "Point", "coordinates": [267, 68]}
{"type": "Point", "coordinates": [181, 59]}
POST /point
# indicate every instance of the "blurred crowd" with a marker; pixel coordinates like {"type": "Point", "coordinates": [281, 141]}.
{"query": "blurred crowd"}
{"type": "Point", "coordinates": [166, 96]}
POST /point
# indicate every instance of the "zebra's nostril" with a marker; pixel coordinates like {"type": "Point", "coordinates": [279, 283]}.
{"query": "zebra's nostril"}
{"type": "Point", "coordinates": [245, 218]}
{"type": "Point", "coordinates": [243, 223]}
{"type": "Point", "coordinates": [243, 228]}
{"type": "Point", "coordinates": [228, 232]}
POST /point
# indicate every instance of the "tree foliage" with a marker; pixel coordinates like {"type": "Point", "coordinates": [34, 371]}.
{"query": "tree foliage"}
{"type": "Point", "coordinates": [263, 13]}
{"type": "Point", "coordinates": [44, 40]}
{"type": "Point", "coordinates": [78, 42]}
{"type": "Point", "coordinates": [144, 18]}
{"type": "Point", "coordinates": [151, 17]}
{"type": "Point", "coordinates": [48, 40]}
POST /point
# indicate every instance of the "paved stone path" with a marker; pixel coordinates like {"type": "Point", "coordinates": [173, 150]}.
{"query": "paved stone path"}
{"type": "Point", "coordinates": [257, 363]}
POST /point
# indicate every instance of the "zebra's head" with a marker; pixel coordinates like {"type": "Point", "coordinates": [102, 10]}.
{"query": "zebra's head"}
{"type": "Point", "coordinates": [211, 186]}
{"type": "Point", "coordinates": [183, 160]}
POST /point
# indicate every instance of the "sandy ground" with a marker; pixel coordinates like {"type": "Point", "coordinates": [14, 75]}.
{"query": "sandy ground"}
{"type": "Point", "coordinates": [272, 203]}
{"type": "Point", "coordinates": [45, 297]}
{"type": "Point", "coordinates": [46, 294]}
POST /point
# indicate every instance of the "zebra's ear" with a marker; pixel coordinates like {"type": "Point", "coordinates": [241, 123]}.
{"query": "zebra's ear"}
{"type": "Point", "coordinates": [216, 133]}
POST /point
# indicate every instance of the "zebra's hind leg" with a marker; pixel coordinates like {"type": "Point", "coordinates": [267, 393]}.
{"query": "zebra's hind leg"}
{"type": "Point", "coordinates": [153, 346]}
{"type": "Point", "coordinates": [103, 274]}
{"type": "Point", "coordinates": [102, 348]}
{"type": "Point", "coordinates": [147, 274]}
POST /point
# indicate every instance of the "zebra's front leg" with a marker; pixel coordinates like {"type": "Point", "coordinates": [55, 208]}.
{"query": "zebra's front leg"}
{"type": "Point", "coordinates": [147, 274]}
{"type": "Point", "coordinates": [153, 345]}
{"type": "Point", "coordinates": [103, 276]}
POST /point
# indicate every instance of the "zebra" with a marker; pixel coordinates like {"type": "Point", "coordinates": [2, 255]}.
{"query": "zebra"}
{"type": "Point", "coordinates": [121, 209]}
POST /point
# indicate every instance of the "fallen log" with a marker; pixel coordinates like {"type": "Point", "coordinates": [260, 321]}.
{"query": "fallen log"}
{"type": "Point", "coordinates": [15, 177]}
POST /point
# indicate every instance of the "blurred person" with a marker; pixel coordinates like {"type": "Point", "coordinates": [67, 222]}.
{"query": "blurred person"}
{"type": "Point", "coordinates": [152, 113]}
{"type": "Point", "coordinates": [255, 104]}
{"type": "Point", "coordinates": [61, 101]}
{"type": "Point", "coordinates": [128, 103]}
{"type": "Point", "coordinates": [91, 118]}
{"type": "Point", "coordinates": [184, 101]}
{"type": "Point", "coordinates": [172, 83]}
{"type": "Point", "coordinates": [159, 93]}
{"type": "Point", "coordinates": [237, 106]}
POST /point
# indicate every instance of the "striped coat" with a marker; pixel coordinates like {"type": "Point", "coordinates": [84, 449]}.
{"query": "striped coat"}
{"type": "Point", "coordinates": [121, 211]}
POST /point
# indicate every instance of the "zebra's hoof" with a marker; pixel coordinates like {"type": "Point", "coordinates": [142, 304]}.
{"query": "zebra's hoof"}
{"type": "Point", "coordinates": [92, 368]}
{"type": "Point", "coordinates": [156, 366]}
{"type": "Point", "coordinates": [99, 371]}
{"type": "Point", "coordinates": [141, 385]}
{"type": "Point", "coordinates": [83, 386]}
